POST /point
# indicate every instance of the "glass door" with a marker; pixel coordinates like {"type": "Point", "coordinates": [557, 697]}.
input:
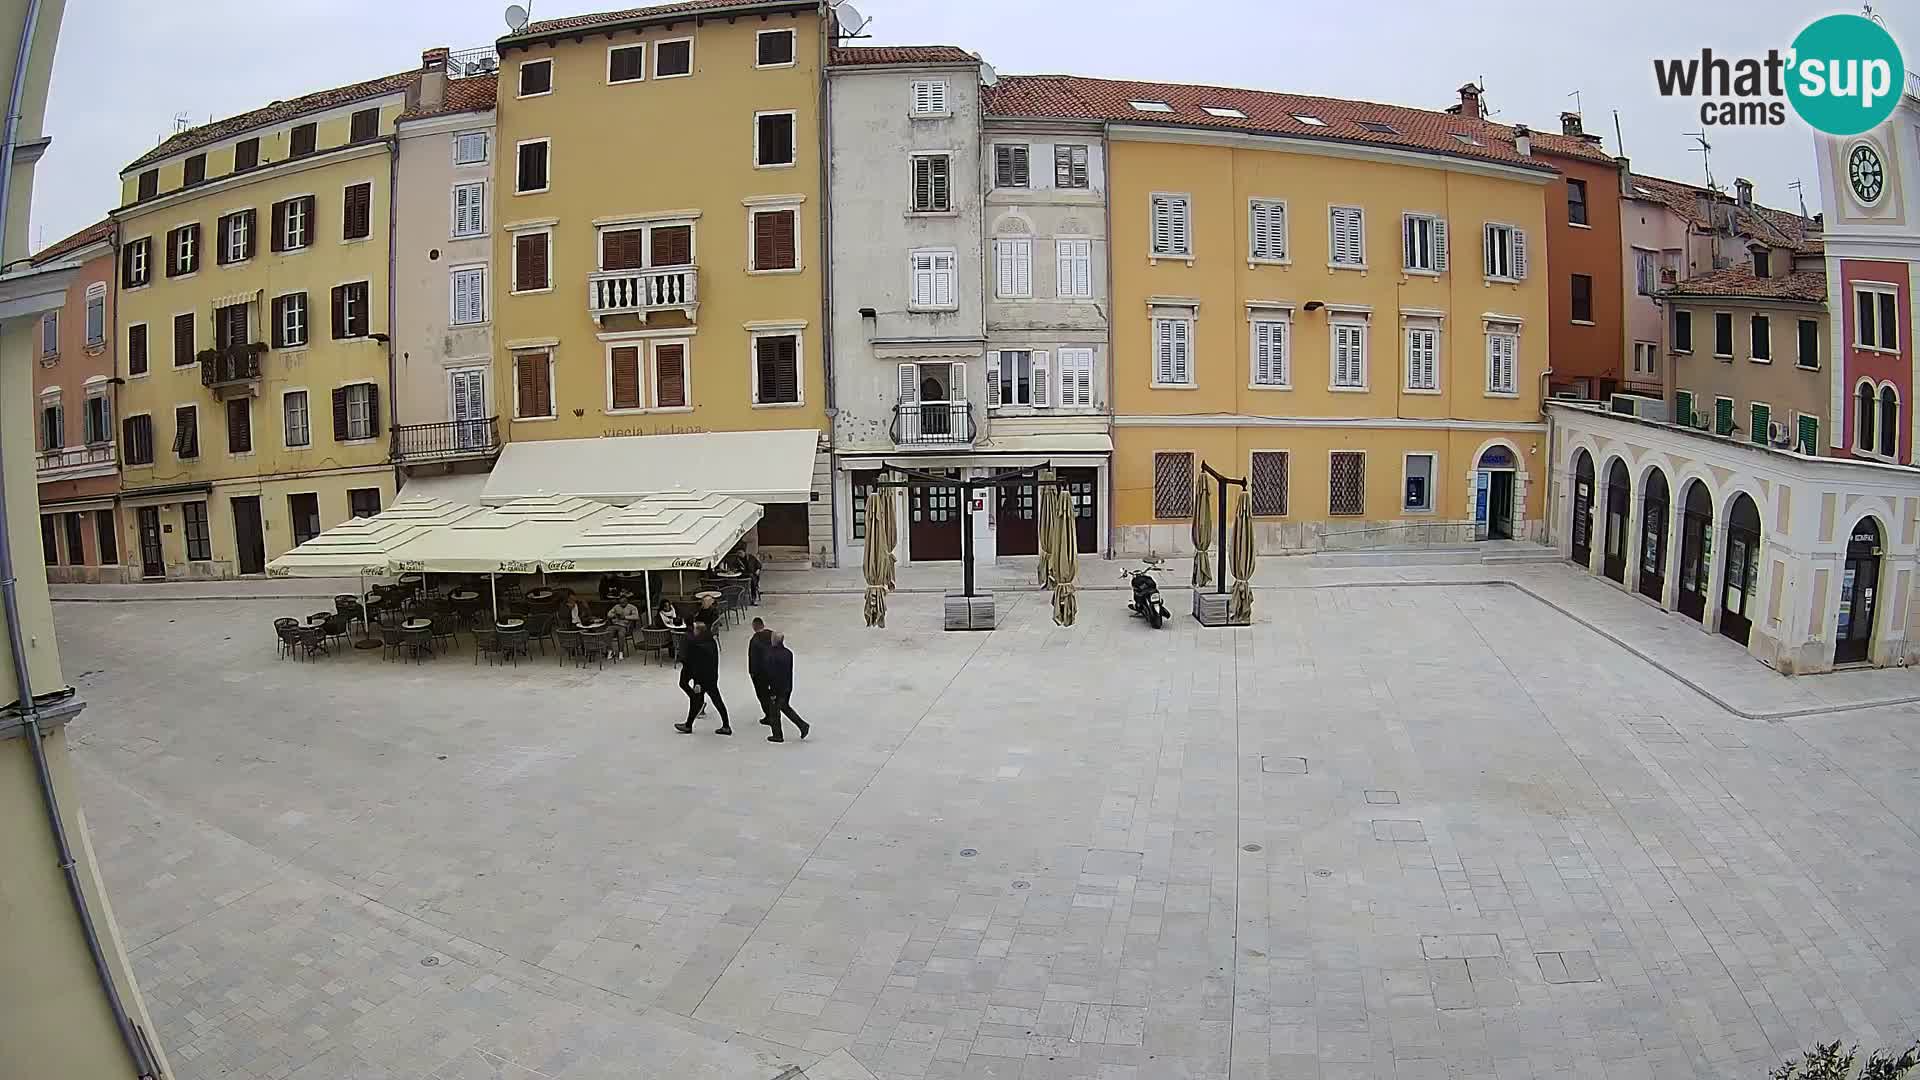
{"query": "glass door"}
{"type": "Point", "coordinates": [468, 408]}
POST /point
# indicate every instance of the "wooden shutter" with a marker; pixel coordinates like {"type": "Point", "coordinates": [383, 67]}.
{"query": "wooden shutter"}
{"type": "Point", "coordinates": [1042, 395]}
{"type": "Point", "coordinates": [129, 440]}
{"type": "Point", "coordinates": [182, 340]}
{"type": "Point", "coordinates": [358, 212]}
{"type": "Point", "coordinates": [670, 376]}
{"type": "Point", "coordinates": [622, 249]}
{"type": "Point", "coordinates": [340, 414]}
{"type": "Point", "coordinates": [1762, 417]}
{"type": "Point", "coordinates": [239, 425]}
{"type": "Point", "coordinates": [373, 409]}
{"type": "Point", "coordinates": [186, 431]}
{"type": "Point", "coordinates": [1267, 228]}
{"type": "Point", "coordinates": [339, 314]}
{"type": "Point", "coordinates": [672, 245]}
{"type": "Point", "coordinates": [773, 240]}
{"type": "Point", "coordinates": [137, 349]}
{"type": "Point", "coordinates": [311, 222]}
{"type": "Point", "coordinates": [624, 360]}
{"type": "Point", "coordinates": [278, 241]}
{"type": "Point", "coordinates": [532, 385]}
{"type": "Point", "coordinates": [777, 360]}
{"type": "Point", "coordinates": [530, 262]}
{"type": "Point", "coordinates": [1519, 254]}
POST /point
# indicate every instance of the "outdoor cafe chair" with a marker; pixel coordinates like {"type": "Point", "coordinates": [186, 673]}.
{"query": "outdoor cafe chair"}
{"type": "Point", "coordinates": [335, 627]}
{"type": "Point", "coordinates": [312, 639]}
{"type": "Point", "coordinates": [283, 631]}
{"type": "Point", "coordinates": [569, 642]}
{"type": "Point", "coordinates": [392, 640]}
{"type": "Point", "coordinates": [445, 628]}
{"type": "Point", "coordinates": [655, 642]}
{"type": "Point", "coordinates": [512, 644]}
{"type": "Point", "coordinates": [596, 646]}
{"type": "Point", "coordinates": [540, 628]}
{"type": "Point", "coordinates": [486, 642]}
{"type": "Point", "coordinates": [419, 643]}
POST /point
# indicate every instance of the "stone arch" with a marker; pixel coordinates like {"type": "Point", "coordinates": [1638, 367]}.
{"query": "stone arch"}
{"type": "Point", "coordinates": [1012, 225]}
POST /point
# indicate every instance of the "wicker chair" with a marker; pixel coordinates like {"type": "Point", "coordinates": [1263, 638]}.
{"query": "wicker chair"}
{"type": "Point", "coordinates": [446, 628]}
{"type": "Point", "coordinates": [486, 642]}
{"type": "Point", "coordinates": [655, 643]}
{"type": "Point", "coordinates": [392, 640]}
{"type": "Point", "coordinates": [336, 627]}
{"type": "Point", "coordinates": [419, 643]}
{"type": "Point", "coordinates": [596, 647]}
{"type": "Point", "coordinates": [312, 639]}
{"type": "Point", "coordinates": [569, 642]}
{"type": "Point", "coordinates": [540, 628]}
{"type": "Point", "coordinates": [512, 645]}
{"type": "Point", "coordinates": [280, 628]}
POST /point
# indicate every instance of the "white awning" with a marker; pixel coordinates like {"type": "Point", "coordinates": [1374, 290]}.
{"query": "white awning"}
{"type": "Point", "coordinates": [367, 545]}
{"type": "Point", "coordinates": [517, 538]}
{"type": "Point", "coordinates": [759, 466]}
{"type": "Point", "coordinates": [451, 487]}
{"type": "Point", "coordinates": [679, 531]}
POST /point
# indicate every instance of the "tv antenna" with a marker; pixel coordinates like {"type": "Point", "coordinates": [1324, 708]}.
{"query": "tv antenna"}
{"type": "Point", "coordinates": [845, 15]}
{"type": "Point", "coordinates": [1800, 189]}
{"type": "Point", "coordinates": [1705, 150]}
{"type": "Point", "coordinates": [1619, 140]}
{"type": "Point", "coordinates": [181, 122]}
{"type": "Point", "coordinates": [517, 16]}
{"type": "Point", "coordinates": [1576, 102]}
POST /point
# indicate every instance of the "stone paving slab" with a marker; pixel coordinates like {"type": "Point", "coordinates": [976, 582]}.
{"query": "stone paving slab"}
{"type": "Point", "coordinates": [1030, 853]}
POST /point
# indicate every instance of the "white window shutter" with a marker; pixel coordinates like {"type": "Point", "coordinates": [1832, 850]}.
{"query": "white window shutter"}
{"type": "Point", "coordinates": [1440, 244]}
{"type": "Point", "coordinates": [1083, 268]}
{"type": "Point", "coordinates": [1063, 283]}
{"type": "Point", "coordinates": [1163, 351]}
{"type": "Point", "coordinates": [1003, 267]}
{"type": "Point", "coordinates": [909, 384]}
{"type": "Point", "coordinates": [993, 380]}
{"type": "Point", "coordinates": [1408, 249]}
{"type": "Point", "coordinates": [1519, 254]}
{"type": "Point", "coordinates": [1182, 352]}
{"type": "Point", "coordinates": [1042, 389]}
{"type": "Point", "coordinates": [956, 382]}
{"type": "Point", "coordinates": [1489, 241]}
{"type": "Point", "coordinates": [1023, 268]}
{"type": "Point", "coordinates": [943, 280]}
{"type": "Point", "coordinates": [1162, 226]}
{"type": "Point", "coordinates": [1182, 231]}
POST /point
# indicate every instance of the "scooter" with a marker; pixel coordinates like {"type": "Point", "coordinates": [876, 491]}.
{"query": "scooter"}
{"type": "Point", "coordinates": [1146, 593]}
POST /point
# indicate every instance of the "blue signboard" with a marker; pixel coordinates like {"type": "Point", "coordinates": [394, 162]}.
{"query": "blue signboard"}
{"type": "Point", "coordinates": [1496, 457]}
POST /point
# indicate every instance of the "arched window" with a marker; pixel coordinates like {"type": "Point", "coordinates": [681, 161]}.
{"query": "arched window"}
{"type": "Point", "coordinates": [1889, 421]}
{"type": "Point", "coordinates": [1863, 419]}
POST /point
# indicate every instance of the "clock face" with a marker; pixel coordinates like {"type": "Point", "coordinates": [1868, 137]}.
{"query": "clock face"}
{"type": "Point", "coordinates": [1865, 174]}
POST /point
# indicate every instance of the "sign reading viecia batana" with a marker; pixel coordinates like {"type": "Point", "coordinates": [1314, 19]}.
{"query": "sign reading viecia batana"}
{"type": "Point", "coordinates": [1843, 75]}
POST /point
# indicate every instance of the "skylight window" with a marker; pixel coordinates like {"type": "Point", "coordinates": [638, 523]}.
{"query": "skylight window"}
{"type": "Point", "coordinates": [1466, 138]}
{"type": "Point", "coordinates": [1151, 106]}
{"type": "Point", "coordinates": [1309, 120]}
{"type": "Point", "coordinates": [1377, 126]}
{"type": "Point", "coordinates": [1223, 110]}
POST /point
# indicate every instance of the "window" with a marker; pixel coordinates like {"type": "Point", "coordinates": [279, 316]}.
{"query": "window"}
{"type": "Point", "coordinates": [1150, 106]}
{"type": "Point", "coordinates": [776, 369]}
{"type": "Point", "coordinates": [670, 245]}
{"type": "Point", "coordinates": [1173, 352]}
{"type": "Point", "coordinates": [775, 233]}
{"type": "Point", "coordinates": [1723, 333]}
{"type": "Point", "coordinates": [672, 59]}
{"type": "Point", "coordinates": [293, 223]}
{"type": "Point", "coordinates": [531, 175]}
{"type": "Point", "coordinates": [96, 315]}
{"type": "Point", "coordinates": [1076, 378]}
{"type": "Point", "coordinates": [240, 425]}
{"type": "Point", "coordinates": [193, 170]}
{"type": "Point", "coordinates": [53, 426]}
{"type": "Point", "coordinates": [1503, 348]}
{"type": "Point", "coordinates": [1225, 112]}
{"type": "Point", "coordinates": [295, 420]}
{"type": "Point", "coordinates": [1889, 421]}
{"type": "Point", "coordinates": [186, 432]}
{"type": "Point", "coordinates": [1073, 269]}
{"type": "Point", "coordinates": [626, 63]}
{"type": "Point", "coordinates": [1012, 378]}
{"type": "Point", "coordinates": [1762, 338]}
{"type": "Point", "coordinates": [1807, 438]}
{"type": "Point", "coordinates": [1267, 482]}
{"type": "Point", "coordinates": [135, 266]}
{"type": "Point", "coordinates": [929, 97]}
{"type": "Point", "coordinates": [136, 439]}
{"type": "Point", "coordinates": [861, 485]}
{"type": "Point", "coordinates": [1350, 355]}
{"type": "Point", "coordinates": [1013, 268]}
{"type": "Point", "coordinates": [199, 540]}
{"type": "Point", "coordinates": [149, 184]}
{"type": "Point", "coordinates": [106, 534]}
{"type": "Point", "coordinates": [303, 140]}
{"type": "Point", "coordinates": [773, 139]}
{"type": "Point", "coordinates": [183, 351]}
{"type": "Point", "coordinates": [76, 539]}
{"type": "Point", "coordinates": [1760, 264]}
{"type": "Point", "coordinates": [626, 388]}
{"type": "Point", "coordinates": [670, 375]}
{"type": "Point", "coordinates": [364, 126]}
{"type": "Point", "coordinates": [1010, 165]}
{"type": "Point", "coordinates": [623, 377]}
{"type": "Point", "coordinates": [363, 502]}
{"type": "Point", "coordinates": [1272, 362]}
{"type": "Point", "coordinates": [470, 208]}
{"type": "Point", "coordinates": [932, 189]}
{"type": "Point", "coordinates": [350, 310]}
{"type": "Point", "coordinates": [773, 48]}
{"type": "Point", "coordinates": [1722, 416]}
{"type": "Point", "coordinates": [49, 540]}
{"type": "Point", "coordinates": [356, 412]}
{"type": "Point", "coordinates": [1863, 419]}
{"type": "Point", "coordinates": [1070, 166]}
{"type": "Point", "coordinates": [1809, 353]}
{"type": "Point", "coordinates": [183, 250]}
{"type": "Point", "coordinates": [1576, 202]}
{"type": "Point", "coordinates": [236, 237]}
{"type": "Point", "coordinates": [1346, 228]}
{"type": "Point", "coordinates": [469, 288]}
{"type": "Point", "coordinates": [531, 262]}
{"type": "Point", "coordinates": [1646, 273]}
{"type": "Point", "coordinates": [1424, 239]}
{"type": "Point", "coordinates": [470, 148]}
{"type": "Point", "coordinates": [98, 419]}
{"type": "Point", "coordinates": [933, 280]}
{"type": "Point", "coordinates": [1419, 494]}
{"type": "Point", "coordinates": [1506, 253]}
{"type": "Point", "coordinates": [1682, 330]}
{"type": "Point", "coordinates": [1581, 286]}
{"type": "Point", "coordinates": [1309, 119]}
{"type": "Point", "coordinates": [1377, 127]}
{"type": "Point", "coordinates": [1760, 418]}
{"type": "Point", "coordinates": [533, 385]}
{"type": "Point", "coordinates": [1423, 358]}
{"type": "Point", "coordinates": [1267, 230]}
{"type": "Point", "coordinates": [1172, 227]}
{"type": "Point", "coordinates": [1643, 358]}
{"type": "Point", "coordinates": [290, 321]}
{"type": "Point", "coordinates": [50, 334]}
{"type": "Point", "coordinates": [1877, 319]}
{"type": "Point", "coordinates": [137, 349]}
{"type": "Point", "coordinates": [304, 510]}
{"type": "Point", "coordinates": [357, 212]}
{"type": "Point", "coordinates": [1172, 484]}
{"type": "Point", "coordinates": [536, 78]}
{"type": "Point", "coordinates": [1347, 483]}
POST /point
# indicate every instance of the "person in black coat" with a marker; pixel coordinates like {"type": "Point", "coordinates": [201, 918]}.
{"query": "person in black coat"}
{"type": "Point", "coordinates": [757, 648]}
{"type": "Point", "coordinates": [700, 678]}
{"type": "Point", "coordinates": [780, 690]}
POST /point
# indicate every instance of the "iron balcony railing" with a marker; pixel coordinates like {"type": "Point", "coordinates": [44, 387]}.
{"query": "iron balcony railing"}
{"type": "Point", "coordinates": [634, 292]}
{"type": "Point", "coordinates": [453, 439]}
{"type": "Point", "coordinates": [235, 363]}
{"type": "Point", "coordinates": [933, 423]}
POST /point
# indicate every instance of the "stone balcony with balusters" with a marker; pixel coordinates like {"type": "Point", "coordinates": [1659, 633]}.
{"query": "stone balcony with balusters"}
{"type": "Point", "coordinates": [643, 292]}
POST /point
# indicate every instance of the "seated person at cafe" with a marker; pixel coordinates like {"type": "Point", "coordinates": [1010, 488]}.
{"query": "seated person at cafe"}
{"type": "Point", "coordinates": [670, 616]}
{"type": "Point", "coordinates": [707, 613]}
{"type": "Point", "coordinates": [578, 615]}
{"type": "Point", "coordinates": [625, 612]}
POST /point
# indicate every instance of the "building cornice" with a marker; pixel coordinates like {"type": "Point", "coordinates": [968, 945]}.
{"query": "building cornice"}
{"type": "Point", "coordinates": [1351, 151]}
{"type": "Point", "coordinates": [461, 121]}
{"type": "Point", "coordinates": [237, 181]}
{"type": "Point", "coordinates": [1353, 423]}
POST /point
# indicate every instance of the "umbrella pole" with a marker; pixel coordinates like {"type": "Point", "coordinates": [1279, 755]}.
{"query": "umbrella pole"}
{"type": "Point", "coordinates": [646, 590]}
{"type": "Point", "coordinates": [1220, 580]}
{"type": "Point", "coordinates": [493, 586]}
{"type": "Point", "coordinates": [966, 537]}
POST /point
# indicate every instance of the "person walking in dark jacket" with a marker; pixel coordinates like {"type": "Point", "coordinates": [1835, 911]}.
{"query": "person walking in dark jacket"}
{"type": "Point", "coordinates": [757, 648]}
{"type": "Point", "coordinates": [780, 690]}
{"type": "Point", "coordinates": [700, 678]}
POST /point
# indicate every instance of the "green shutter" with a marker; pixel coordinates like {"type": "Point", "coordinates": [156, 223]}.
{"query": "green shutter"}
{"type": "Point", "coordinates": [1809, 441]}
{"type": "Point", "coordinates": [1762, 416]}
{"type": "Point", "coordinates": [1723, 416]}
{"type": "Point", "coordinates": [1683, 407]}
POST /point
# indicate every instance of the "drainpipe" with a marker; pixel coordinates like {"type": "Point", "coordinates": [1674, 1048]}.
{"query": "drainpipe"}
{"type": "Point", "coordinates": [831, 24]}
{"type": "Point", "coordinates": [144, 1066]}
{"type": "Point", "coordinates": [1106, 204]}
{"type": "Point", "coordinates": [393, 220]}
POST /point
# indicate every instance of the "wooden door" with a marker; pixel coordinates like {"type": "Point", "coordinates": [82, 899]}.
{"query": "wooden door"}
{"type": "Point", "coordinates": [1086, 508]}
{"type": "Point", "coordinates": [249, 543]}
{"type": "Point", "coordinates": [933, 522]}
{"type": "Point", "coordinates": [151, 564]}
{"type": "Point", "coordinates": [1017, 519]}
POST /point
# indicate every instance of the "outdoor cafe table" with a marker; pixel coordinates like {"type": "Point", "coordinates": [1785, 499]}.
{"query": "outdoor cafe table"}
{"type": "Point", "coordinates": [510, 624]}
{"type": "Point", "coordinates": [463, 595]}
{"type": "Point", "coordinates": [417, 624]}
{"type": "Point", "coordinates": [538, 595]}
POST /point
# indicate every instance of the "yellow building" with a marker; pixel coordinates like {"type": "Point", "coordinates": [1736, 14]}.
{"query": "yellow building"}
{"type": "Point", "coordinates": [253, 330]}
{"type": "Point", "coordinates": [1344, 302]}
{"type": "Point", "coordinates": [658, 246]}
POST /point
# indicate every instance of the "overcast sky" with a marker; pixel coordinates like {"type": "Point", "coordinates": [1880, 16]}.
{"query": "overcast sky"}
{"type": "Point", "coordinates": [126, 68]}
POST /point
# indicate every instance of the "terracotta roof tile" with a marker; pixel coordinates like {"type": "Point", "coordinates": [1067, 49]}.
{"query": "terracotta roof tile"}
{"type": "Point", "coordinates": [1780, 228]}
{"type": "Point", "coordinates": [1574, 146]}
{"type": "Point", "coordinates": [99, 230]}
{"type": "Point", "coordinates": [1265, 112]}
{"type": "Point", "coordinates": [207, 134]}
{"type": "Point", "coordinates": [604, 18]}
{"type": "Point", "coordinates": [473, 94]}
{"type": "Point", "coordinates": [902, 54]}
{"type": "Point", "coordinates": [1807, 286]}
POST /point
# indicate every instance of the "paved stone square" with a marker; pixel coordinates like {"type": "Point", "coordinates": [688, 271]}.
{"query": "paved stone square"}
{"type": "Point", "coordinates": [1405, 831]}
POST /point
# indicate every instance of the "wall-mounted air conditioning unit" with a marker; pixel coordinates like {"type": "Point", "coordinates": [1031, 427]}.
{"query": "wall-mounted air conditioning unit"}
{"type": "Point", "coordinates": [1640, 405]}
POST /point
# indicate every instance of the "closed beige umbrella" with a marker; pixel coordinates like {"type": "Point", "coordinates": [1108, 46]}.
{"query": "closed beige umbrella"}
{"type": "Point", "coordinates": [879, 563]}
{"type": "Point", "coordinates": [1240, 560]}
{"type": "Point", "coordinates": [1065, 560]}
{"type": "Point", "coordinates": [1202, 532]}
{"type": "Point", "coordinates": [1044, 508]}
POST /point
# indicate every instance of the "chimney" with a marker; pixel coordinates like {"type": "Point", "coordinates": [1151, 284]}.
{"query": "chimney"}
{"type": "Point", "coordinates": [1570, 124]}
{"type": "Point", "coordinates": [1522, 140]}
{"type": "Point", "coordinates": [1626, 175]}
{"type": "Point", "coordinates": [433, 78]}
{"type": "Point", "coordinates": [1470, 101]}
{"type": "Point", "coordinates": [1744, 188]}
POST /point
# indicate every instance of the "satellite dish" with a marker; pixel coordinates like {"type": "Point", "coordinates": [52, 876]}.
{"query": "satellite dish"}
{"type": "Point", "coordinates": [516, 18]}
{"type": "Point", "coordinates": [851, 21]}
{"type": "Point", "coordinates": [988, 76]}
